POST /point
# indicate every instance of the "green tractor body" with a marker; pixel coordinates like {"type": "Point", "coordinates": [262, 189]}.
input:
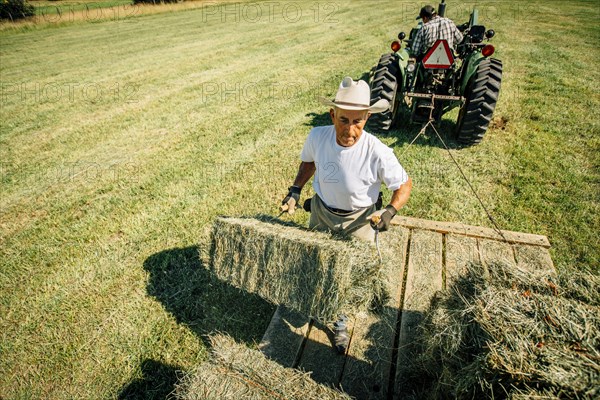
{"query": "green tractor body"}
{"type": "Point", "coordinates": [468, 77]}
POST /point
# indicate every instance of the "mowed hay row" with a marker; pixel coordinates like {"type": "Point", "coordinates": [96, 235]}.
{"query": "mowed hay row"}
{"type": "Point", "coordinates": [235, 371]}
{"type": "Point", "coordinates": [310, 272]}
{"type": "Point", "coordinates": [513, 334]}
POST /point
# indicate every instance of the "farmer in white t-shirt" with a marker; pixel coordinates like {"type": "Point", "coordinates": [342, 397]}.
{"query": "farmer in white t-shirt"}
{"type": "Point", "coordinates": [349, 165]}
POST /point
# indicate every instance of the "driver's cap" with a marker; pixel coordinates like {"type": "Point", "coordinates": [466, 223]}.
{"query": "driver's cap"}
{"type": "Point", "coordinates": [427, 11]}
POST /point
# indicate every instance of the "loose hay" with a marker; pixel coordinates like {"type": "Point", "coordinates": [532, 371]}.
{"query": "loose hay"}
{"type": "Point", "coordinates": [238, 372]}
{"type": "Point", "coordinates": [310, 272]}
{"type": "Point", "coordinates": [518, 334]}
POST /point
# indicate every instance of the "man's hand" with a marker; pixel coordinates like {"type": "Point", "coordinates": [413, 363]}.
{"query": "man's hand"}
{"type": "Point", "coordinates": [291, 200]}
{"type": "Point", "coordinates": [380, 219]}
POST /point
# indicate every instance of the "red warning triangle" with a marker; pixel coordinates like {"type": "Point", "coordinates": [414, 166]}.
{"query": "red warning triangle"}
{"type": "Point", "coordinates": [439, 56]}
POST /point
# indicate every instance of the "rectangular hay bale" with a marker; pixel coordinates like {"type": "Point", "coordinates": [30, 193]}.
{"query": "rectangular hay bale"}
{"type": "Point", "coordinates": [310, 272]}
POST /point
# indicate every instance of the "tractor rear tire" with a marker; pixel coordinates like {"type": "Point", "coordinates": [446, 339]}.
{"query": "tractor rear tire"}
{"type": "Point", "coordinates": [385, 86]}
{"type": "Point", "coordinates": [481, 97]}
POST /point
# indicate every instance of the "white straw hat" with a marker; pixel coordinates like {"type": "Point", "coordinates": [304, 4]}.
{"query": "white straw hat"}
{"type": "Point", "coordinates": [355, 96]}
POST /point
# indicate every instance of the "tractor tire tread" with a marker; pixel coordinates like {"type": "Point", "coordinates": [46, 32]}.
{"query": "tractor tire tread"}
{"type": "Point", "coordinates": [384, 86]}
{"type": "Point", "coordinates": [482, 95]}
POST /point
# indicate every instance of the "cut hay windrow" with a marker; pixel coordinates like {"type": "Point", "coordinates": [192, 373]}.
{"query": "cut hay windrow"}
{"type": "Point", "coordinates": [235, 371]}
{"type": "Point", "coordinates": [514, 334]}
{"type": "Point", "coordinates": [310, 272]}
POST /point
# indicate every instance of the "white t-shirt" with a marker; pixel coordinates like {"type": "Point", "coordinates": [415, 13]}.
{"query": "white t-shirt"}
{"type": "Point", "coordinates": [350, 178]}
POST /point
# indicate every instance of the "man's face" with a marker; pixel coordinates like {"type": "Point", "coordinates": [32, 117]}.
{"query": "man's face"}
{"type": "Point", "coordinates": [348, 125]}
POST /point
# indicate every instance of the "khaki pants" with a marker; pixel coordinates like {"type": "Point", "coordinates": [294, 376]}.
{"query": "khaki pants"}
{"type": "Point", "coordinates": [355, 223]}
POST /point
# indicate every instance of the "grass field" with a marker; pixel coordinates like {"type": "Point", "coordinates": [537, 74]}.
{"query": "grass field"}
{"type": "Point", "coordinates": [57, 13]}
{"type": "Point", "coordinates": [43, 7]}
{"type": "Point", "coordinates": [121, 140]}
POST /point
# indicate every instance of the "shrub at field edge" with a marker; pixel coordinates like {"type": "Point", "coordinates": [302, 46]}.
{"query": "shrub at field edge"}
{"type": "Point", "coordinates": [15, 9]}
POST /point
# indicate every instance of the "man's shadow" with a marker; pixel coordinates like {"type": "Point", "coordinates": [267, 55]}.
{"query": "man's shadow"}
{"type": "Point", "coordinates": [156, 383]}
{"type": "Point", "coordinates": [201, 302]}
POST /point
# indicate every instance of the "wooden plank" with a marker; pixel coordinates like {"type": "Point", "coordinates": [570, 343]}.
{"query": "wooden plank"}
{"type": "Point", "coordinates": [495, 254]}
{"type": "Point", "coordinates": [534, 258]}
{"type": "Point", "coordinates": [284, 336]}
{"type": "Point", "coordinates": [367, 371]}
{"type": "Point", "coordinates": [320, 358]}
{"type": "Point", "coordinates": [470, 230]}
{"type": "Point", "coordinates": [361, 378]}
{"type": "Point", "coordinates": [424, 278]}
{"type": "Point", "coordinates": [461, 252]}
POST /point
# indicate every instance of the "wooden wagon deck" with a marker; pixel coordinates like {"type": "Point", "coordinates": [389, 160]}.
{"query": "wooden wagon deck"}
{"type": "Point", "coordinates": [430, 254]}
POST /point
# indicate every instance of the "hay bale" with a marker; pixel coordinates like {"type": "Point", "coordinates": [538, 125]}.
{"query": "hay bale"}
{"type": "Point", "coordinates": [310, 272]}
{"type": "Point", "coordinates": [515, 335]}
{"type": "Point", "coordinates": [235, 371]}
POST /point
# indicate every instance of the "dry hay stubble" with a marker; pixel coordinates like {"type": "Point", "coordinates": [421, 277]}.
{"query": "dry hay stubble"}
{"type": "Point", "coordinates": [515, 334]}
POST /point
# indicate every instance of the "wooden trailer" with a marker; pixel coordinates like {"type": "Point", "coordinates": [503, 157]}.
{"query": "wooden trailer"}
{"type": "Point", "coordinates": [430, 255]}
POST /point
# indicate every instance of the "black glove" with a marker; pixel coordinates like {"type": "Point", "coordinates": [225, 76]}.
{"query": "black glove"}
{"type": "Point", "coordinates": [294, 193]}
{"type": "Point", "coordinates": [385, 219]}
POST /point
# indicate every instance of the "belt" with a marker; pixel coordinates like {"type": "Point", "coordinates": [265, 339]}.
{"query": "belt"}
{"type": "Point", "coordinates": [338, 211]}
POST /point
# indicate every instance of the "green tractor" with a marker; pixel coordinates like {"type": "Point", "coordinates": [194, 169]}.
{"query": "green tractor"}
{"type": "Point", "coordinates": [441, 80]}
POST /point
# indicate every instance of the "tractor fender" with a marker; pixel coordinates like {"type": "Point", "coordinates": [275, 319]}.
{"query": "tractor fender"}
{"type": "Point", "coordinates": [403, 57]}
{"type": "Point", "coordinates": [471, 64]}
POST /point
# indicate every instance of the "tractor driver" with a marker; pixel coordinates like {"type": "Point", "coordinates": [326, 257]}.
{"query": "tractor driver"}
{"type": "Point", "coordinates": [434, 28]}
{"type": "Point", "coordinates": [349, 165]}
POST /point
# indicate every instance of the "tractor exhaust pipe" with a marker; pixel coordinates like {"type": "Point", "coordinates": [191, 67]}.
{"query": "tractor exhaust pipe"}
{"type": "Point", "coordinates": [442, 8]}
